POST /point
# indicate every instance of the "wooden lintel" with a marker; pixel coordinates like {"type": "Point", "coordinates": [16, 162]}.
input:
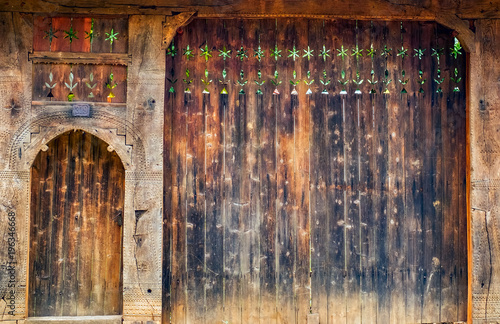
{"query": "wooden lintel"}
{"type": "Point", "coordinates": [172, 23]}
{"type": "Point", "coordinates": [80, 58]}
{"type": "Point", "coordinates": [466, 36]}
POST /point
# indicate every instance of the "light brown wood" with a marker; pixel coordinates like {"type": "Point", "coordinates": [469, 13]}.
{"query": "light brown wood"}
{"type": "Point", "coordinates": [80, 58]}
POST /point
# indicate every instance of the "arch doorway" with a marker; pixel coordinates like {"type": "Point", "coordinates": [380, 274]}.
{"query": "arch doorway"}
{"type": "Point", "coordinates": [77, 200]}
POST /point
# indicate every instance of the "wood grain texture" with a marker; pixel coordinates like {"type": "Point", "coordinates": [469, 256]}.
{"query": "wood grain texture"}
{"type": "Point", "coordinates": [315, 203]}
{"type": "Point", "coordinates": [78, 191]}
{"type": "Point", "coordinates": [422, 9]}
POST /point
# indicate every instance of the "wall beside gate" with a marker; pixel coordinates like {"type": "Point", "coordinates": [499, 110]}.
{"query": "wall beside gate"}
{"type": "Point", "coordinates": [315, 166]}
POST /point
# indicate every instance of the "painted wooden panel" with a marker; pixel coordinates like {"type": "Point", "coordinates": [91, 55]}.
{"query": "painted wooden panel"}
{"type": "Point", "coordinates": [76, 228]}
{"type": "Point", "coordinates": [332, 154]}
{"type": "Point", "coordinates": [64, 80]}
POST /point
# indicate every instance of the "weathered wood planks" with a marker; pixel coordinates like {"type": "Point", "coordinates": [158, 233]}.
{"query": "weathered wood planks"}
{"type": "Point", "coordinates": [324, 202]}
{"type": "Point", "coordinates": [75, 254]}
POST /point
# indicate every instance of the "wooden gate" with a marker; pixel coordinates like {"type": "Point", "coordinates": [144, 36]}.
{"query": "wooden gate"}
{"type": "Point", "coordinates": [315, 168]}
{"type": "Point", "coordinates": [77, 189]}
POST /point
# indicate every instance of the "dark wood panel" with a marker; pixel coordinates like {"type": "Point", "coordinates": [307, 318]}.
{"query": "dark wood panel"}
{"type": "Point", "coordinates": [327, 202]}
{"type": "Point", "coordinates": [78, 188]}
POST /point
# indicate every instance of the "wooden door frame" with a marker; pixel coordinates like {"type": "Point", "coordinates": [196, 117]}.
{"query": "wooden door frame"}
{"type": "Point", "coordinates": [461, 30]}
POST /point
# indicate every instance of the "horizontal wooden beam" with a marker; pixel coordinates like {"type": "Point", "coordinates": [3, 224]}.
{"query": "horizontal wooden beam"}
{"type": "Point", "coordinates": [369, 9]}
{"type": "Point", "coordinates": [80, 58]}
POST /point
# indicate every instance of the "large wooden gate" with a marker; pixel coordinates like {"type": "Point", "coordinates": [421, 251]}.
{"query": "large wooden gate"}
{"type": "Point", "coordinates": [77, 188]}
{"type": "Point", "coordinates": [315, 167]}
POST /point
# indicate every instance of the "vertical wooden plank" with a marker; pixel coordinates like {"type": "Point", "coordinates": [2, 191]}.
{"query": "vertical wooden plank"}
{"type": "Point", "coordinates": [215, 190]}
{"type": "Point", "coordinates": [319, 176]}
{"type": "Point", "coordinates": [380, 147]}
{"type": "Point", "coordinates": [99, 43]}
{"type": "Point", "coordinates": [335, 181]}
{"type": "Point", "coordinates": [57, 241]}
{"type": "Point", "coordinates": [396, 220]}
{"type": "Point", "coordinates": [81, 25]}
{"type": "Point", "coordinates": [41, 33]}
{"type": "Point", "coordinates": [285, 216]}
{"type": "Point", "coordinates": [86, 218]}
{"type": "Point", "coordinates": [172, 63]}
{"type": "Point", "coordinates": [250, 252]}
{"type": "Point", "coordinates": [40, 246]}
{"type": "Point", "coordinates": [462, 132]}
{"type": "Point", "coordinates": [195, 192]}
{"type": "Point", "coordinates": [366, 185]}
{"type": "Point", "coordinates": [412, 179]}
{"type": "Point", "coordinates": [267, 137]}
{"type": "Point", "coordinates": [351, 177]}
{"type": "Point", "coordinates": [61, 43]}
{"type": "Point", "coordinates": [450, 177]}
{"type": "Point", "coordinates": [179, 139]}
{"type": "Point", "coordinates": [432, 199]}
{"type": "Point", "coordinates": [69, 285]}
{"type": "Point", "coordinates": [236, 206]}
{"type": "Point", "coordinates": [301, 171]}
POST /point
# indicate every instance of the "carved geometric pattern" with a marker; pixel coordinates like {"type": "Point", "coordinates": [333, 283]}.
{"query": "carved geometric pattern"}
{"type": "Point", "coordinates": [15, 175]}
{"type": "Point", "coordinates": [142, 301]}
{"type": "Point", "coordinates": [24, 134]}
{"type": "Point", "coordinates": [154, 176]}
{"type": "Point", "coordinates": [479, 305]}
{"type": "Point", "coordinates": [485, 184]}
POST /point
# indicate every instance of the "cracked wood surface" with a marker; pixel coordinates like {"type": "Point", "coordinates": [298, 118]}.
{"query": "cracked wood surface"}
{"type": "Point", "coordinates": [485, 214]}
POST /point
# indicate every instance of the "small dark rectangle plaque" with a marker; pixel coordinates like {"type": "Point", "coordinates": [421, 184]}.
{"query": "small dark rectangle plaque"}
{"type": "Point", "coordinates": [81, 110]}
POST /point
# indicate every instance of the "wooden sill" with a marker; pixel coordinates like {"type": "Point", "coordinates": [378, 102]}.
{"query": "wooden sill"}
{"type": "Point", "coordinates": [111, 319]}
{"type": "Point", "coordinates": [80, 58]}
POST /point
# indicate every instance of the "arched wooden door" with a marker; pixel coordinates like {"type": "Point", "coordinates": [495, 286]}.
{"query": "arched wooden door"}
{"type": "Point", "coordinates": [77, 189]}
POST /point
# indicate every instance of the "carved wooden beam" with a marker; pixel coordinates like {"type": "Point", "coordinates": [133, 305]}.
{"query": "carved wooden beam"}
{"type": "Point", "coordinates": [172, 23]}
{"type": "Point", "coordinates": [466, 36]}
{"type": "Point", "coordinates": [80, 58]}
{"type": "Point", "coordinates": [367, 9]}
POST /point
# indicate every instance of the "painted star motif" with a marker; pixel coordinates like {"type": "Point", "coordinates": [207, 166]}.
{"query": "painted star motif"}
{"type": "Point", "coordinates": [206, 52]}
{"type": "Point", "coordinates": [50, 34]}
{"type": "Point", "coordinates": [324, 53]}
{"type": "Point", "coordinates": [371, 51]}
{"type": "Point", "coordinates": [357, 52]}
{"type": "Point", "coordinates": [308, 53]}
{"type": "Point", "coordinates": [172, 51]}
{"type": "Point", "coordinates": [342, 52]}
{"type": "Point", "coordinates": [225, 53]}
{"type": "Point", "coordinates": [275, 52]}
{"type": "Point", "coordinates": [188, 52]}
{"type": "Point", "coordinates": [403, 52]}
{"type": "Point", "coordinates": [242, 53]}
{"type": "Point", "coordinates": [111, 36]}
{"type": "Point", "coordinates": [70, 34]}
{"type": "Point", "coordinates": [386, 51]}
{"type": "Point", "coordinates": [294, 53]}
{"type": "Point", "coordinates": [419, 52]}
{"type": "Point", "coordinates": [259, 53]}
